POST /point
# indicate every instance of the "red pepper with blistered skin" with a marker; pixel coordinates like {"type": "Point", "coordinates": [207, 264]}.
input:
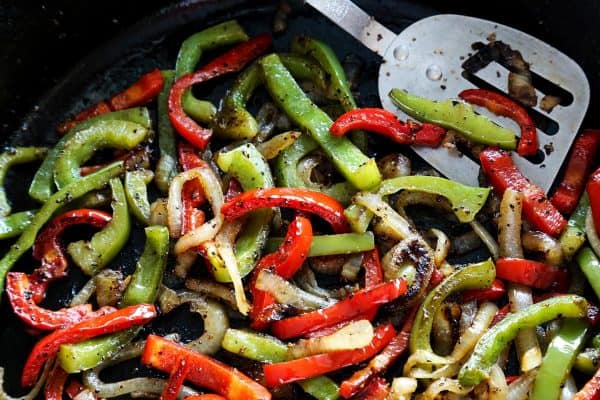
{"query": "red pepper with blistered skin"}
{"type": "Point", "coordinates": [381, 362]}
{"type": "Point", "coordinates": [308, 367]}
{"type": "Point", "coordinates": [593, 191]}
{"type": "Point", "coordinates": [387, 124]}
{"type": "Point", "coordinates": [502, 174]}
{"type": "Point", "coordinates": [140, 93]}
{"type": "Point", "coordinates": [20, 296]}
{"type": "Point", "coordinates": [502, 105]}
{"type": "Point", "coordinates": [377, 389]}
{"type": "Point", "coordinates": [116, 321]}
{"type": "Point", "coordinates": [285, 262]}
{"type": "Point", "coordinates": [192, 194]}
{"type": "Point", "coordinates": [492, 293]}
{"type": "Point", "coordinates": [175, 381]}
{"type": "Point", "coordinates": [350, 307]}
{"type": "Point", "coordinates": [591, 390]}
{"type": "Point", "coordinates": [90, 112]}
{"type": "Point", "coordinates": [530, 273]}
{"type": "Point", "coordinates": [306, 200]}
{"type": "Point", "coordinates": [55, 383]}
{"type": "Point", "coordinates": [231, 61]}
{"type": "Point", "coordinates": [579, 166]}
{"type": "Point", "coordinates": [204, 371]}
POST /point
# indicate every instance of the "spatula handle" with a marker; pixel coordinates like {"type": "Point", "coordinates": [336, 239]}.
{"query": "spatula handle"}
{"type": "Point", "coordinates": [356, 22]}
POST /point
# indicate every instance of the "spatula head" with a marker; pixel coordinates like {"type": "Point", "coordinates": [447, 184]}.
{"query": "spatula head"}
{"type": "Point", "coordinates": [426, 59]}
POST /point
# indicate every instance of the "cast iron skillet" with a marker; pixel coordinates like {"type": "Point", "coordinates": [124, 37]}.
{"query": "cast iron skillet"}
{"type": "Point", "coordinates": [154, 41]}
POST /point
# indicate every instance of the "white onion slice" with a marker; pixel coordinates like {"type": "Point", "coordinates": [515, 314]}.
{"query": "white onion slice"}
{"type": "Point", "coordinates": [355, 335]}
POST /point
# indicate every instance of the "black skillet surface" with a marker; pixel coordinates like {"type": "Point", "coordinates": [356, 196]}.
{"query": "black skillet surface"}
{"type": "Point", "coordinates": [154, 41]}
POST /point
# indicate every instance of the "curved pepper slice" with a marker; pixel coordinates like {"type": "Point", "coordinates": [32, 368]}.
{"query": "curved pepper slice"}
{"type": "Point", "coordinates": [593, 191]}
{"type": "Point", "coordinates": [301, 199]}
{"type": "Point", "coordinates": [176, 377]}
{"type": "Point", "coordinates": [355, 304]}
{"type": "Point", "coordinates": [387, 124]}
{"type": "Point", "coordinates": [19, 290]}
{"type": "Point", "coordinates": [204, 372]}
{"type": "Point", "coordinates": [492, 293]}
{"type": "Point", "coordinates": [308, 367]}
{"type": "Point", "coordinates": [285, 262]}
{"type": "Point", "coordinates": [231, 61]}
{"type": "Point", "coordinates": [502, 105]}
{"type": "Point", "coordinates": [376, 389]}
{"type": "Point", "coordinates": [591, 390]}
{"type": "Point", "coordinates": [136, 193]}
{"type": "Point", "coordinates": [192, 194]}
{"type": "Point", "coordinates": [502, 174]}
{"type": "Point", "coordinates": [14, 224]}
{"type": "Point", "coordinates": [573, 237]}
{"type": "Point", "coordinates": [55, 383]}
{"type": "Point", "coordinates": [15, 156]}
{"type": "Point", "coordinates": [530, 273]}
{"type": "Point", "coordinates": [48, 346]}
{"type": "Point", "coordinates": [497, 337]}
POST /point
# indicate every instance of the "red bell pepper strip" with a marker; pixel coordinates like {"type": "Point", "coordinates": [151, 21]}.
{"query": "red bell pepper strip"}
{"type": "Point", "coordinates": [501, 314]}
{"type": "Point", "coordinates": [492, 293]}
{"type": "Point", "coordinates": [355, 304]}
{"type": "Point", "coordinates": [373, 277]}
{"type": "Point", "coordinates": [381, 362]}
{"type": "Point", "coordinates": [18, 290]}
{"type": "Point", "coordinates": [175, 381]}
{"type": "Point", "coordinates": [387, 124]}
{"type": "Point", "coordinates": [231, 61]}
{"type": "Point", "coordinates": [140, 93]}
{"type": "Point", "coordinates": [437, 277]}
{"type": "Point", "coordinates": [55, 383]}
{"type": "Point", "coordinates": [311, 201]}
{"type": "Point", "coordinates": [48, 346]}
{"type": "Point", "coordinates": [204, 371]}
{"type": "Point", "coordinates": [502, 174]}
{"type": "Point", "coordinates": [502, 105]}
{"type": "Point", "coordinates": [593, 191]}
{"type": "Point", "coordinates": [192, 194]}
{"type": "Point", "coordinates": [75, 387]}
{"type": "Point", "coordinates": [530, 273]}
{"type": "Point", "coordinates": [377, 389]}
{"type": "Point", "coordinates": [579, 166]}
{"type": "Point", "coordinates": [591, 390]}
{"type": "Point", "coordinates": [308, 367]}
{"type": "Point", "coordinates": [90, 112]}
{"type": "Point", "coordinates": [285, 262]}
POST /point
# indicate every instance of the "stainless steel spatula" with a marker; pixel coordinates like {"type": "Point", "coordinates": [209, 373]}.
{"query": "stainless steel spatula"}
{"type": "Point", "coordinates": [426, 59]}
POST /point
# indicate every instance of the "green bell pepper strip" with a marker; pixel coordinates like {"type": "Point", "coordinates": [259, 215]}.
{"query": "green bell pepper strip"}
{"type": "Point", "coordinates": [325, 245]}
{"type": "Point", "coordinates": [14, 224]}
{"type": "Point", "coordinates": [473, 276]}
{"type": "Point", "coordinates": [42, 185]}
{"type": "Point", "coordinates": [81, 147]}
{"type": "Point", "coordinates": [248, 166]}
{"type": "Point", "coordinates": [497, 337]}
{"type": "Point", "coordinates": [136, 193]}
{"type": "Point", "coordinates": [142, 289]}
{"type": "Point", "coordinates": [466, 201]}
{"type": "Point", "coordinates": [573, 237]}
{"type": "Point", "coordinates": [166, 167]}
{"type": "Point", "coordinates": [93, 255]}
{"type": "Point", "coordinates": [590, 266]}
{"type": "Point", "coordinates": [356, 167]}
{"type": "Point", "coordinates": [64, 196]}
{"type": "Point", "coordinates": [588, 361]}
{"type": "Point", "coordinates": [226, 33]}
{"type": "Point", "coordinates": [14, 156]}
{"type": "Point", "coordinates": [339, 88]}
{"type": "Point", "coordinates": [286, 171]}
{"type": "Point", "coordinates": [455, 115]}
{"type": "Point", "coordinates": [558, 360]}
{"type": "Point", "coordinates": [263, 348]}
{"type": "Point", "coordinates": [233, 120]}
{"type": "Point", "coordinates": [595, 342]}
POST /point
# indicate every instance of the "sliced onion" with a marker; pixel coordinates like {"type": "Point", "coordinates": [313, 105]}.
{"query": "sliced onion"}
{"type": "Point", "coordinates": [394, 165]}
{"type": "Point", "coordinates": [441, 332]}
{"type": "Point", "coordinates": [184, 262]}
{"type": "Point", "coordinates": [33, 393]}
{"type": "Point", "coordinates": [543, 243]}
{"type": "Point", "coordinates": [519, 389]}
{"type": "Point", "coordinates": [471, 336]}
{"type": "Point", "coordinates": [402, 388]}
{"type": "Point", "coordinates": [266, 118]}
{"type": "Point", "coordinates": [85, 394]}
{"type": "Point", "coordinates": [468, 310]}
{"type": "Point", "coordinates": [110, 286]}
{"type": "Point", "coordinates": [214, 194]}
{"type": "Point", "coordinates": [591, 233]}
{"type": "Point", "coordinates": [159, 212]}
{"type": "Point", "coordinates": [497, 387]}
{"type": "Point", "coordinates": [286, 293]}
{"type": "Point", "coordinates": [375, 203]}
{"type": "Point", "coordinates": [465, 243]}
{"type": "Point", "coordinates": [353, 336]}
{"type": "Point", "coordinates": [212, 289]}
{"type": "Point", "coordinates": [274, 146]}
{"type": "Point", "coordinates": [526, 343]}
{"type": "Point", "coordinates": [442, 246]}
{"type": "Point", "coordinates": [410, 198]}
{"type": "Point", "coordinates": [486, 238]}
{"type": "Point", "coordinates": [351, 267]}
{"type": "Point", "coordinates": [443, 385]}
{"type": "Point", "coordinates": [509, 224]}
{"type": "Point", "coordinates": [569, 389]}
{"type": "Point", "coordinates": [305, 279]}
{"type": "Point", "coordinates": [327, 265]}
{"type": "Point", "coordinates": [84, 295]}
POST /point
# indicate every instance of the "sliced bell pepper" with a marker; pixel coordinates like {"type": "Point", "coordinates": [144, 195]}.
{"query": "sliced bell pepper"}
{"type": "Point", "coordinates": [387, 124]}
{"type": "Point", "coordinates": [504, 106]}
{"type": "Point", "coordinates": [593, 191]}
{"type": "Point", "coordinates": [493, 341]}
{"type": "Point", "coordinates": [231, 61]}
{"type": "Point", "coordinates": [15, 223]}
{"type": "Point", "coordinates": [376, 389]}
{"type": "Point", "coordinates": [579, 166]}
{"type": "Point", "coordinates": [291, 371]}
{"type": "Point", "coordinates": [591, 390]}
{"type": "Point", "coordinates": [334, 244]}
{"type": "Point", "coordinates": [457, 116]}
{"type": "Point", "coordinates": [204, 371]}
{"type": "Point", "coordinates": [136, 193]}
{"type": "Point", "coordinates": [502, 174]}
{"type": "Point", "coordinates": [355, 304]}
{"type": "Point", "coordinates": [285, 262]}
{"type": "Point", "coordinates": [176, 378]}
{"type": "Point", "coordinates": [573, 237]}
{"type": "Point", "coordinates": [301, 199]}
{"type": "Point", "coordinates": [93, 111]}
{"type": "Point", "coordinates": [357, 168]}
{"type": "Point", "coordinates": [55, 383]}
{"type": "Point", "coordinates": [492, 293]}
{"type": "Point", "coordinates": [48, 346]}
{"type": "Point", "coordinates": [530, 273]}
{"type": "Point", "coordinates": [75, 387]}
{"type": "Point", "coordinates": [590, 266]}
{"type": "Point", "coordinates": [192, 195]}
{"type": "Point", "coordinates": [166, 166]}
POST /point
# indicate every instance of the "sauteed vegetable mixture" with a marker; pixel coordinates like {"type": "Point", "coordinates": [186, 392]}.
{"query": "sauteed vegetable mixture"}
{"type": "Point", "coordinates": [298, 244]}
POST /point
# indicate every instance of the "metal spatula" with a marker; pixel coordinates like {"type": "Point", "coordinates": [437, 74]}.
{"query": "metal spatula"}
{"type": "Point", "coordinates": [426, 59]}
